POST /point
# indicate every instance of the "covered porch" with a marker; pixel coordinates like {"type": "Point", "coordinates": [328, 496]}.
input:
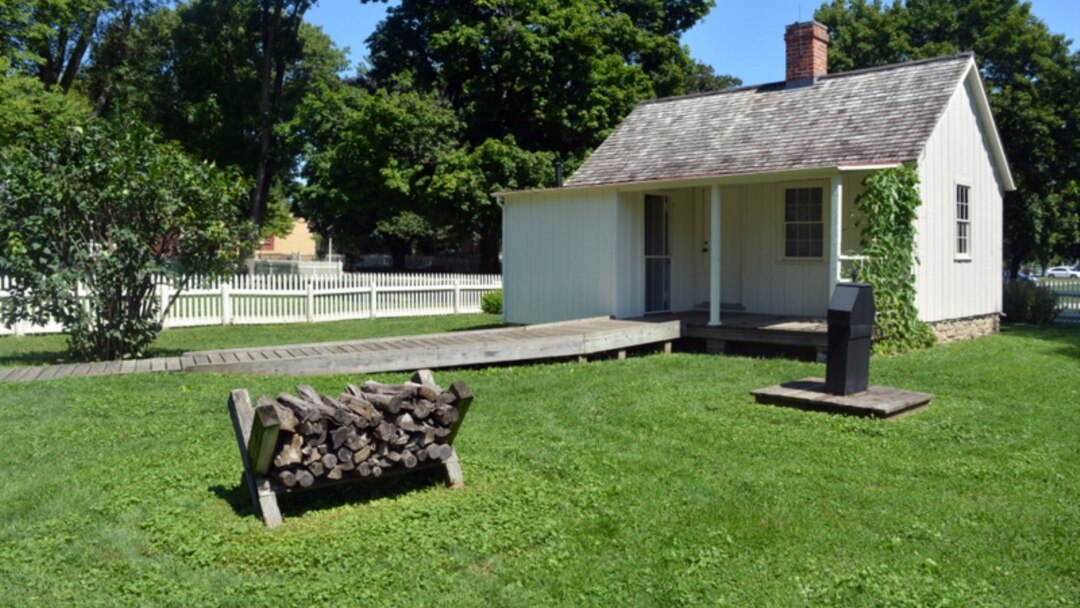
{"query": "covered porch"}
{"type": "Point", "coordinates": [751, 332]}
{"type": "Point", "coordinates": [750, 251]}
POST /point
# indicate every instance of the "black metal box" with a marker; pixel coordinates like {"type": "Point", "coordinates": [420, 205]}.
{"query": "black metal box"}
{"type": "Point", "coordinates": [851, 328]}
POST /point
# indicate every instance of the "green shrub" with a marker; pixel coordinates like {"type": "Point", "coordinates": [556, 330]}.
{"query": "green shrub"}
{"type": "Point", "coordinates": [91, 217]}
{"type": "Point", "coordinates": [1028, 302]}
{"type": "Point", "coordinates": [491, 303]}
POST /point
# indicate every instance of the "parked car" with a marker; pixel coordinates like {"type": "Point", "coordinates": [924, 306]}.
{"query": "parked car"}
{"type": "Point", "coordinates": [1063, 272]}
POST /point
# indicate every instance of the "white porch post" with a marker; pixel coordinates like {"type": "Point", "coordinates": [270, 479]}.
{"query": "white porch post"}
{"type": "Point", "coordinates": [714, 257]}
{"type": "Point", "coordinates": [835, 224]}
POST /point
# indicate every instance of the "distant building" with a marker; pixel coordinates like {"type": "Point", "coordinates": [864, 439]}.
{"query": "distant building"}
{"type": "Point", "coordinates": [298, 245]}
{"type": "Point", "coordinates": [293, 254]}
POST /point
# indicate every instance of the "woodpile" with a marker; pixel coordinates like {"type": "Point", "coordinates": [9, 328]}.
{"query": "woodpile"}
{"type": "Point", "coordinates": [366, 431]}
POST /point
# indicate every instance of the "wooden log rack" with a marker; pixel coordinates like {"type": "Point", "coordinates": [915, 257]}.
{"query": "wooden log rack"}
{"type": "Point", "coordinates": [311, 441]}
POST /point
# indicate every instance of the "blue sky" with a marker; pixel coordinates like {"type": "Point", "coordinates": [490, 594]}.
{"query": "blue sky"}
{"type": "Point", "coordinates": [744, 38]}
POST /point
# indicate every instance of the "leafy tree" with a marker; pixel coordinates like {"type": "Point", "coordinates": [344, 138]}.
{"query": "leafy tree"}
{"type": "Point", "coordinates": [51, 39]}
{"type": "Point", "coordinates": [1032, 81]}
{"type": "Point", "coordinates": [26, 105]}
{"type": "Point", "coordinates": [370, 157]}
{"type": "Point", "coordinates": [702, 78]}
{"type": "Point", "coordinates": [223, 78]}
{"type": "Point", "coordinates": [390, 169]}
{"type": "Point", "coordinates": [556, 75]}
{"type": "Point", "coordinates": [460, 190]}
{"type": "Point", "coordinates": [90, 217]}
{"type": "Point", "coordinates": [516, 83]}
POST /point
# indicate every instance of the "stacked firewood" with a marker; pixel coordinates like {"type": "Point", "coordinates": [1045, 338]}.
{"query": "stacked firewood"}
{"type": "Point", "coordinates": [366, 431]}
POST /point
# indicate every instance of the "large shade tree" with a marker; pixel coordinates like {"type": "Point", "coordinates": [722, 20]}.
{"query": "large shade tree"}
{"type": "Point", "coordinates": [527, 82]}
{"type": "Point", "coordinates": [225, 78]}
{"type": "Point", "coordinates": [1032, 80]}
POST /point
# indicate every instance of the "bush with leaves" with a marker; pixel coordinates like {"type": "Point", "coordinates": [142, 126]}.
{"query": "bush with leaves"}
{"type": "Point", "coordinates": [890, 203]}
{"type": "Point", "coordinates": [92, 218]}
{"type": "Point", "coordinates": [491, 303]}
{"type": "Point", "coordinates": [1028, 302]}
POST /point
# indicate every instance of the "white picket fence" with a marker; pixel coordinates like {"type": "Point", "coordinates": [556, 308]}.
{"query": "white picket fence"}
{"type": "Point", "coordinates": [260, 299]}
{"type": "Point", "coordinates": [1068, 297]}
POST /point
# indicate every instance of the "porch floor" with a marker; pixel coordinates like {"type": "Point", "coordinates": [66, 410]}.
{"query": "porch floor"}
{"type": "Point", "coordinates": [753, 328]}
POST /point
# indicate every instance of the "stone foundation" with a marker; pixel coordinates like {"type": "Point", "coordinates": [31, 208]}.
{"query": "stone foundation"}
{"type": "Point", "coordinates": [954, 330]}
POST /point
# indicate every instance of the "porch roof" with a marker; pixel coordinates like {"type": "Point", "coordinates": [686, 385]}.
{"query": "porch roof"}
{"type": "Point", "coordinates": [875, 116]}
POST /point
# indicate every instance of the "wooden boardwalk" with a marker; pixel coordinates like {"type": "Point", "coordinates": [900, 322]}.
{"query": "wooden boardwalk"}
{"type": "Point", "coordinates": [582, 338]}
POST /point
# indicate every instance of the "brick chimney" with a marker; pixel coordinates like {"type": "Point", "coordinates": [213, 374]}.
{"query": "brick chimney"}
{"type": "Point", "coordinates": [807, 52]}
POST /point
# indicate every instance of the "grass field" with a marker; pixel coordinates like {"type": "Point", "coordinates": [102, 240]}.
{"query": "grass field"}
{"type": "Point", "coordinates": [49, 349]}
{"type": "Point", "coordinates": [655, 481]}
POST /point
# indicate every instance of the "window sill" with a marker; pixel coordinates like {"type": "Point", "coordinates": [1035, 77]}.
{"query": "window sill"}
{"type": "Point", "coordinates": [802, 260]}
{"type": "Point", "coordinates": [962, 259]}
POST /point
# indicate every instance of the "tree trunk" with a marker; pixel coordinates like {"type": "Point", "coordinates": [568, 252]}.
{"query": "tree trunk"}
{"type": "Point", "coordinates": [260, 190]}
{"type": "Point", "coordinates": [75, 60]}
{"type": "Point", "coordinates": [489, 254]}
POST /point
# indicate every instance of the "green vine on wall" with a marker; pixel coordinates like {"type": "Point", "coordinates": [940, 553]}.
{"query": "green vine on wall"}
{"type": "Point", "coordinates": [889, 205]}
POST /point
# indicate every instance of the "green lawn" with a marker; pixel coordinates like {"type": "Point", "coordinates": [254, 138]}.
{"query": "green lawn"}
{"type": "Point", "coordinates": [655, 481]}
{"type": "Point", "coordinates": [49, 349]}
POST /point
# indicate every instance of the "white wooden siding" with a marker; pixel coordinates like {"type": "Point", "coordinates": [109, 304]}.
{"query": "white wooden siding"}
{"type": "Point", "coordinates": [559, 255]}
{"type": "Point", "coordinates": [630, 256]}
{"type": "Point", "coordinates": [574, 254]}
{"type": "Point", "coordinates": [771, 283]}
{"type": "Point", "coordinates": [958, 153]}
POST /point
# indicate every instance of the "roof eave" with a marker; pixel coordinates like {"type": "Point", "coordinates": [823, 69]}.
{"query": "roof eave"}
{"type": "Point", "coordinates": [688, 181]}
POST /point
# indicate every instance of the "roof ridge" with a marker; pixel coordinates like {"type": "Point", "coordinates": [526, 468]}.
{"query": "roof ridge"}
{"type": "Point", "coordinates": [877, 68]}
{"type": "Point", "coordinates": [902, 64]}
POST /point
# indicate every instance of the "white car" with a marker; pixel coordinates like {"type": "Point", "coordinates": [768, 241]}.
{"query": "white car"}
{"type": "Point", "coordinates": [1063, 272]}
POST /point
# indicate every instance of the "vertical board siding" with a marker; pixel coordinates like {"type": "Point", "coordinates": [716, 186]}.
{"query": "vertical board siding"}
{"type": "Point", "coordinates": [559, 255]}
{"type": "Point", "coordinates": [265, 299]}
{"type": "Point", "coordinates": [771, 283]}
{"type": "Point", "coordinates": [631, 255]}
{"type": "Point", "coordinates": [575, 254]}
{"type": "Point", "coordinates": [958, 153]}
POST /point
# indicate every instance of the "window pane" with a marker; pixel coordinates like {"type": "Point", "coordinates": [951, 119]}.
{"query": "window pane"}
{"type": "Point", "coordinates": [803, 229]}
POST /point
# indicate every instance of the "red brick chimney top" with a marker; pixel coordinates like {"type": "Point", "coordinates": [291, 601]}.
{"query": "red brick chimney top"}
{"type": "Point", "coordinates": [807, 51]}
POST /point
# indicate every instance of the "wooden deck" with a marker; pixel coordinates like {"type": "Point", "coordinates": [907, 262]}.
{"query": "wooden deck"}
{"type": "Point", "coordinates": [581, 338]}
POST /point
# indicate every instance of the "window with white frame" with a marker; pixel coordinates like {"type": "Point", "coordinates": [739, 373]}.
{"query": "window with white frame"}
{"type": "Point", "coordinates": [804, 227]}
{"type": "Point", "coordinates": [963, 221]}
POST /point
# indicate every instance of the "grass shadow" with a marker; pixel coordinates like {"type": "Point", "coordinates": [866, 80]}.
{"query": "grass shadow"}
{"type": "Point", "coordinates": [33, 359]}
{"type": "Point", "coordinates": [295, 504]}
{"type": "Point", "coordinates": [477, 327]}
{"type": "Point", "coordinates": [1065, 336]}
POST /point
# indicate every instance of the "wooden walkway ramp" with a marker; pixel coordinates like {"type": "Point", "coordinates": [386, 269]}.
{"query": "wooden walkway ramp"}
{"type": "Point", "coordinates": [454, 349]}
{"type": "Point", "coordinates": [581, 338]}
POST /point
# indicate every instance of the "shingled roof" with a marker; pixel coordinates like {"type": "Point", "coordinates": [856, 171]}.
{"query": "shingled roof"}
{"type": "Point", "coordinates": [873, 116]}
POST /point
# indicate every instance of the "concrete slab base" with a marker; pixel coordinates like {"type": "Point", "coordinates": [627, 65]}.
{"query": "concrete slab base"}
{"type": "Point", "coordinates": [876, 401]}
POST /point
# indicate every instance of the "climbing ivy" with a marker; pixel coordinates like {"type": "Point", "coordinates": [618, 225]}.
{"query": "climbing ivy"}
{"type": "Point", "coordinates": [889, 205]}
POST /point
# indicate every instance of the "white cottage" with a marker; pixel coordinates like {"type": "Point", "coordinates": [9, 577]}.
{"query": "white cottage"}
{"type": "Point", "coordinates": [743, 200]}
